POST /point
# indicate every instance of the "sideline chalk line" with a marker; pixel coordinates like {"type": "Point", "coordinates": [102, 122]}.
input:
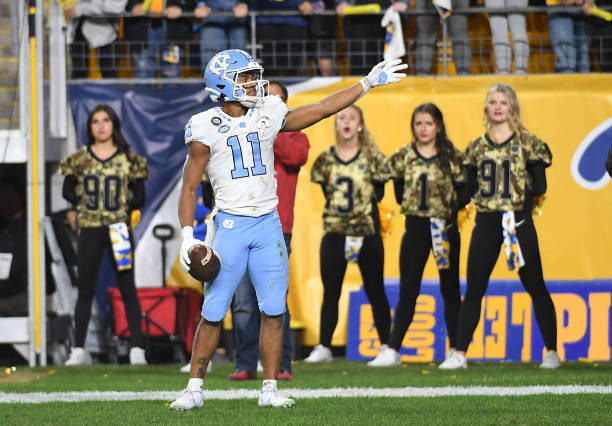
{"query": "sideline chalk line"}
{"type": "Point", "coordinates": [352, 392]}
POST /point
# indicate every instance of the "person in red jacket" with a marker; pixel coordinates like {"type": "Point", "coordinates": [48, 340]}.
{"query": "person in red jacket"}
{"type": "Point", "coordinates": [290, 153]}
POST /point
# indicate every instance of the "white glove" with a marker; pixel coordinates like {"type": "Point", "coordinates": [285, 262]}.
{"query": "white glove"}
{"type": "Point", "coordinates": [383, 73]}
{"type": "Point", "coordinates": [187, 241]}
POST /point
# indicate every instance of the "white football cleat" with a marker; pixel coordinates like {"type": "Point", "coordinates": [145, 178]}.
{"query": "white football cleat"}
{"type": "Point", "coordinates": [137, 356]}
{"type": "Point", "coordinates": [551, 360]}
{"type": "Point", "coordinates": [78, 356]}
{"type": "Point", "coordinates": [187, 367]}
{"type": "Point", "coordinates": [450, 353]}
{"type": "Point", "coordinates": [454, 362]}
{"type": "Point", "coordinates": [320, 353]}
{"type": "Point", "coordinates": [189, 399]}
{"type": "Point", "coordinates": [387, 357]}
{"type": "Point", "coordinates": [269, 396]}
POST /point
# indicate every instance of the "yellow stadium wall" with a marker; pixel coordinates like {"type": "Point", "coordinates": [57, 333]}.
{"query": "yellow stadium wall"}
{"type": "Point", "coordinates": [574, 229]}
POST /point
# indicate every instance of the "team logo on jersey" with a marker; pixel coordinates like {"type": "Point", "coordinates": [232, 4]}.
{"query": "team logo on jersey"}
{"type": "Point", "coordinates": [215, 121]}
{"type": "Point", "coordinates": [228, 223]}
{"type": "Point", "coordinates": [224, 129]}
{"type": "Point", "coordinates": [588, 164]}
{"type": "Point", "coordinates": [263, 123]}
{"type": "Point", "coordinates": [514, 149]}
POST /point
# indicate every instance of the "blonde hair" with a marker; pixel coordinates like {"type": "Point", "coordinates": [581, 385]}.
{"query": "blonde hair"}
{"type": "Point", "coordinates": [515, 111]}
{"type": "Point", "coordinates": [366, 141]}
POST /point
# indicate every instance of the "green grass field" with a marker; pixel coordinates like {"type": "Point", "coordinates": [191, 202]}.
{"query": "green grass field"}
{"type": "Point", "coordinates": [509, 408]}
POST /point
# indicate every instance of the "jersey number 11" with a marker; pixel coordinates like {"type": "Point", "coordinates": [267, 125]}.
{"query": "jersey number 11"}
{"type": "Point", "coordinates": [239, 170]}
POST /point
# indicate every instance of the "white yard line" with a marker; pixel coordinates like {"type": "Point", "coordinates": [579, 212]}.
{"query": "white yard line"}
{"type": "Point", "coordinates": [407, 392]}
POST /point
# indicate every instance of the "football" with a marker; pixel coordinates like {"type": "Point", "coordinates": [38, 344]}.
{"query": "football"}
{"type": "Point", "coordinates": [205, 264]}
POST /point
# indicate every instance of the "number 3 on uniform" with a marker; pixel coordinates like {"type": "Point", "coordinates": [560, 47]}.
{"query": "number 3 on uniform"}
{"type": "Point", "coordinates": [239, 170]}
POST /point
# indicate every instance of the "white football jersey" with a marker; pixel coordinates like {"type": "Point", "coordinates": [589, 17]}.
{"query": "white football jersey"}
{"type": "Point", "coordinates": [241, 163]}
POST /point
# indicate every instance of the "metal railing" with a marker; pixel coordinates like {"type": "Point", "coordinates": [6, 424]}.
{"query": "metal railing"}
{"type": "Point", "coordinates": [301, 60]}
{"type": "Point", "coordinates": [297, 58]}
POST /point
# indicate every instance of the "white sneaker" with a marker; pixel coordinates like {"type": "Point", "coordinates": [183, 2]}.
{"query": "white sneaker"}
{"type": "Point", "coordinates": [551, 360]}
{"type": "Point", "coordinates": [269, 396]}
{"type": "Point", "coordinates": [454, 362]}
{"type": "Point", "coordinates": [259, 367]}
{"type": "Point", "coordinates": [78, 356]}
{"type": "Point", "coordinates": [319, 354]}
{"type": "Point", "coordinates": [387, 357]}
{"type": "Point", "coordinates": [188, 400]}
{"type": "Point", "coordinates": [187, 367]}
{"type": "Point", "coordinates": [450, 353]}
{"type": "Point", "coordinates": [137, 356]}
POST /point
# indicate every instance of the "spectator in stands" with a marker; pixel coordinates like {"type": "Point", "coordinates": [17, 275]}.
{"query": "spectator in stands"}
{"type": "Point", "coordinates": [568, 36]}
{"type": "Point", "coordinates": [506, 171]}
{"type": "Point", "coordinates": [283, 38]}
{"type": "Point", "coordinates": [104, 180]}
{"type": "Point", "coordinates": [363, 34]}
{"type": "Point", "coordinates": [600, 33]}
{"type": "Point", "coordinates": [322, 35]}
{"type": "Point", "coordinates": [221, 32]}
{"type": "Point", "coordinates": [162, 40]}
{"type": "Point", "coordinates": [86, 31]}
{"type": "Point", "coordinates": [13, 250]}
{"type": "Point", "coordinates": [427, 27]}
{"type": "Point", "coordinates": [290, 154]}
{"type": "Point", "coordinates": [499, 23]}
{"type": "Point", "coordinates": [352, 175]}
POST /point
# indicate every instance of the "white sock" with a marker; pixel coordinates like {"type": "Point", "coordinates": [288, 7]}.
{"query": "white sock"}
{"type": "Point", "coordinates": [195, 384]}
{"type": "Point", "coordinates": [270, 382]}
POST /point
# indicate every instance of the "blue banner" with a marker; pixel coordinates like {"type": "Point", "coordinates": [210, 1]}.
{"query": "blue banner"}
{"type": "Point", "coordinates": [153, 121]}
{"type": "Point", "coordinates": [507, 331]}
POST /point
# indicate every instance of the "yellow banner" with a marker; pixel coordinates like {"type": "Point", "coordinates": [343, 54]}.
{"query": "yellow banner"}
{"type": "Point", "coordinates": [568, 112]}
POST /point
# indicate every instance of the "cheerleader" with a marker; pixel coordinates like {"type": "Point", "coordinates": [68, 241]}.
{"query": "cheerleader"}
{"type": "Point", "coordinates": [351, 174]}
{"type": "Point", "coordinates": [105, 181]}
{"type": "Point", "coordinates": [428, 178]}
{"type": "Point", "coordinates": [505, 171]}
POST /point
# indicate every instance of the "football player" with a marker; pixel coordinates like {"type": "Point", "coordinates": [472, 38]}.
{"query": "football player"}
{"type": "Point", "coordinates": [234, 143]}
{"type": "Point", "coordinates": [506, 169]}
{"type": "Point", "coordinates": [352, 176]}
{"type": "Point", "coordinates": [429, 184]}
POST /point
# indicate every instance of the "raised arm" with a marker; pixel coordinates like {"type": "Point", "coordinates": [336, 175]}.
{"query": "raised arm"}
{"type": "Point", "coordinates": [307, 115]}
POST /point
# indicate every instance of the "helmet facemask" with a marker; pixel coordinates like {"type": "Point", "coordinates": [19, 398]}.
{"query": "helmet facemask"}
{"type": "Point", "coordinates": [242, 86]}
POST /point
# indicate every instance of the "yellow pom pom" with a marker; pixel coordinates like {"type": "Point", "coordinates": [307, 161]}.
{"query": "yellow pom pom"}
{"type": "Point", "coordinates": [135, 218]}
{"type": "Point", "coordinates": [538, 202]}
{"type": "Point", "coordinates": [386, 216]}
{"type": "Point", "coordinates": [465, 214]}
